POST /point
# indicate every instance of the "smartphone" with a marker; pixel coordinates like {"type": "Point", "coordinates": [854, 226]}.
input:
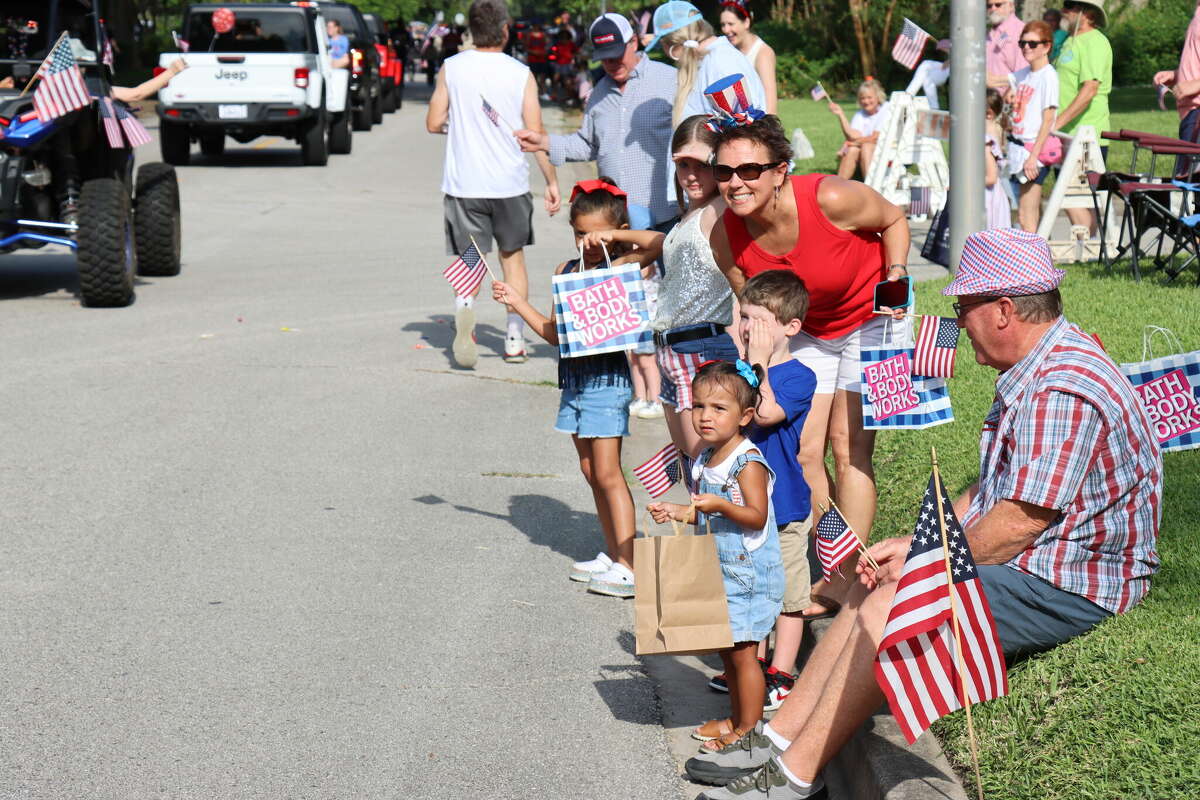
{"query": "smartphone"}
{"type": "Point", "coordinates": [894, 294]}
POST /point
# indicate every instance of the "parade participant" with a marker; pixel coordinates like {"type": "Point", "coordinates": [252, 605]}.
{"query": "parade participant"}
{"type": "Point", "coordinates": [626, 123]}
{"type": "Point", "coordinates": [486, 178]}
{"type": "Point", "coordinates": [841, 238]}
{"type": "Point", "coordinates": [1062, 522]}
{"type": "Point", "coordinates": [861, 132]}
{"type": "Point", "coordinates": [1031, 119]}
{"type": "Point", "coordinates": [733, 503]}
{"type": "Point", "coordinates": [702, 57]}
{"type": "Point", "coordinates": [339, 45]}
{"type": "Point", "coordinates": [596, 389]}
{"type": "Point", "coordinates": [736, 18]}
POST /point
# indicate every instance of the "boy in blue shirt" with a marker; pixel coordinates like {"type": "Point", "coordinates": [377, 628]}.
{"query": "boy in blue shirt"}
{"type": "Point", "coordinates": [773, 305]}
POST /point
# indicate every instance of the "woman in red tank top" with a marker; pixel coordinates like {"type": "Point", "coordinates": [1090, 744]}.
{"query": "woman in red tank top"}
{"type": "Point", "coordinates": [841, 237]}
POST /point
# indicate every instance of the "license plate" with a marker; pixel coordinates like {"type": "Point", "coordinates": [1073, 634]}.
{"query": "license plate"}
{"type": "Point", "coordinates": [237, 111]}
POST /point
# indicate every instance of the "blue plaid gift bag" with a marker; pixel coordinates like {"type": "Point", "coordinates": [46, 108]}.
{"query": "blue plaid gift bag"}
{"type": "Point", "coordinates": [1169, 387]}
{"type": "Point", "coordinates": [601, 310]}
{"type": "Point", "coordinates": [893, 398]}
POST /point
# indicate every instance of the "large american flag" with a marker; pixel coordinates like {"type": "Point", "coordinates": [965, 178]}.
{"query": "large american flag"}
{"type": "Point", "coordinates": [917, 665]}
{"type": "Point", "coordinates": [937, 343]}
{"type": "Point", "coordinates": [836, 541]}
{"type": "Point", "coordinates": [661, 471]}
{"type": "Point", "coordinates": [135, 132]}
{"type": "Point", "coordinates": [467, 271]}
{"type": "Point", "coordinates": [61, 89]}
{"type": "Point", "coordinates": [108, 116]}
{"type": "Point", "coordinates": [909, 44]}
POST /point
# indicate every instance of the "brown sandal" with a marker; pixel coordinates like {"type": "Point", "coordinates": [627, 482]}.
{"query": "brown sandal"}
{"type": "Point", "coordinates": [721, 742]}
{"type": "Point", "coordinates": [713, 729]}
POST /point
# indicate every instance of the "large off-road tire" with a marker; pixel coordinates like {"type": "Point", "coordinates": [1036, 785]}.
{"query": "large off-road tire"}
{"type": "Point", "coordinates": [377, 107]}
{"type": "Point", "coordinates": [212, 144]}
{"type": "Point", "coordinates": [339, 133]}
{"type": "Point", "coordinates": [156, 230]}
{"type": "Point", "coordinates": [175, 143]}
{"type": "Point", "coordinates": [389, 96]}
{"type": "Point", "coordinates": [364, 115]}
{"type": "Point", "coordinates": [107, 256]}
{"type": "Point", "coordinates": [313, 147]}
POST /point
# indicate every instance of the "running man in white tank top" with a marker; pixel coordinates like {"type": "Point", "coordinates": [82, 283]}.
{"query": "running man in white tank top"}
{"type": "Point", "coordinates": [480, 97]}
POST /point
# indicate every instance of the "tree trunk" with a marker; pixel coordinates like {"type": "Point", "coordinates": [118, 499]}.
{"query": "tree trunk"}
{"type": "Point", "coordinates": [886, 37]}
{"type": "Point", "coordinates": [866, 46]}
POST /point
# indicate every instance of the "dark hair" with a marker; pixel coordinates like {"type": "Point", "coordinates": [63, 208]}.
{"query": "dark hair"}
{"type": "Point", "coordinates": [725, 374]}
{"type": "Point", "coordinates": [486, 19]}
{"type": "Point", "coordinates": [1044, 307]}
{"type": "Point", "coordinates": [1053, 16]}
{"type": "Point", "coordinates": [599, 201]}
{"type": "Point", "coordinates": [767, 131]}
{"type": "Point", "coordinates": [739, 10]}
{"type": "Point", "coordinates": [995, 102]}
{"type": "Point", "coordinates": [692, 129]}
{"type": "Point", "coordinates": [780, 291]}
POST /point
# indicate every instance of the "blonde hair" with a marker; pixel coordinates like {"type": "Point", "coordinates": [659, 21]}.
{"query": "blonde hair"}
{"type": "Point", "coordinates": [872, 85]}
{"type": "Point", "coordinates": [689, 60]}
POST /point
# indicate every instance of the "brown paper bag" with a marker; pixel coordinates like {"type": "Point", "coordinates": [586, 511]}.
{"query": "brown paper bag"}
{"type": "Point", "coordinates": [679, 601]}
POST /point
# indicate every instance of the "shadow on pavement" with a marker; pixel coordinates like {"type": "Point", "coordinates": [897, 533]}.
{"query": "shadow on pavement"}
{"type": "Point", "coordinates": [438, 331]}
{"type": "Point", "coordinates": [546, 521]}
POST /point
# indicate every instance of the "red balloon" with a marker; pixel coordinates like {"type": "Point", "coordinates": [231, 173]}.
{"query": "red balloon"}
{"type": "Point", "coordinates": [222, 20]}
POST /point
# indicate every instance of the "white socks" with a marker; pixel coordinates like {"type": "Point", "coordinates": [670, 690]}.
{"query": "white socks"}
{"type": "Point", "coordinates": [777, 740]}
{"type": "Point", "coordinates": [516, 326]}
{"type": "Point", "coordinates": [463, 302]}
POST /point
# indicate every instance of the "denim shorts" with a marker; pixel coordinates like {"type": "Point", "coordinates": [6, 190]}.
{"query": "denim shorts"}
{"type": "Point", "coordinates": [595, 411]}
{"type": "Point", "coordinates": [1033, 615]}
{"type": "Point", "coordinates": [678, 364]}
{"type": "Point", "coordinates": [754, 585]}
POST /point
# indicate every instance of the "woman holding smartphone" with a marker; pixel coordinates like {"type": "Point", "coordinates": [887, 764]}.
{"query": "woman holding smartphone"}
{"type": "Point", "coordinates": [842, 238]}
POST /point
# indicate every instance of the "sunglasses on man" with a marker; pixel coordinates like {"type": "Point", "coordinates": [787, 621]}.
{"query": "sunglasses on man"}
{"type": "Point", "coordinates": [747, 172]}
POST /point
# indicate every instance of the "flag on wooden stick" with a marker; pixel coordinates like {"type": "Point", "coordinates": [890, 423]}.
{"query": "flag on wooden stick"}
{"type": "Point", "coordinates": [836, 541]}
{"type": "Point", "coordinates": [818, 92]}
{"type": "Point", "coordinates": [61, 89]}
{"type": "Point", "coordinates": [467, 271]}
{"type": "Point", "coordinates": [909, 44]}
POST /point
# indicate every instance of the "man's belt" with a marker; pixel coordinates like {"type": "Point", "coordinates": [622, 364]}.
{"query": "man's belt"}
{"type": "Point", "coordinates": [688, 333]}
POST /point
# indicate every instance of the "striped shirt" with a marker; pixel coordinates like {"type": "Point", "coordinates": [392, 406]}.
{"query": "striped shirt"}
{"type": "Point", "coordinates": [628, 134]}
{"type": "Point", "coordinates": [1067, 432]}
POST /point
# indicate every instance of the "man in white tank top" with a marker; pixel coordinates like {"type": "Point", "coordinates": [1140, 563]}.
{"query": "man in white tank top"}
{"type": "Point", "coordinates": [480, 95]}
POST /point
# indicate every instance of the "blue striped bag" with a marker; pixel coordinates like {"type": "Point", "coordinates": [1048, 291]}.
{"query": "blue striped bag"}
{"type": "Point", "coordinates": [895, 357]}
{"type": "Point", "coordinates": [601, 310]}
{"type": "Point", "coordinates": [1169, 387]}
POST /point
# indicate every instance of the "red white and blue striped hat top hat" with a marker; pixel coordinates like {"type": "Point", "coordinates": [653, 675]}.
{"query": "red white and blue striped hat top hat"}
{"type": "Point", "coordinates": [728, 96]}
{"type": "Point", "coordinates": [1004, 262]}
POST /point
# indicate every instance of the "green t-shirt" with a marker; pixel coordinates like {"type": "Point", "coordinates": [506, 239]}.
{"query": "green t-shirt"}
{"type": "Point", "coordinates": [1086, 57]}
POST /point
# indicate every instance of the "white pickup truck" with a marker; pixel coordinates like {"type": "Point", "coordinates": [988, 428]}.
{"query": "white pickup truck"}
{"type": "Point", "coordinates": [254, 69]}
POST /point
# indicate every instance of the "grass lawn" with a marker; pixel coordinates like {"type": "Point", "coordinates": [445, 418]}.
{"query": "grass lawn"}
{"type": "Point", "coordinates": [1115, 713]}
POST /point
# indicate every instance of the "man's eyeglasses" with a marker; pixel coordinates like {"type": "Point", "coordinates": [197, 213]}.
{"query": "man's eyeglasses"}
{"type": "Point", "coordinates": [959, 308]}
{"type": "Point", "coordinates": [1030, 44]}
{"type": "Point", "coordinates": [1001, 4]}
{"type": "Point", "coordinates": [747, 172]}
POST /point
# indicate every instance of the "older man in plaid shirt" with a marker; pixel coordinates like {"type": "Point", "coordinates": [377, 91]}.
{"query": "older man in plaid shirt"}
{"type": "Point", "coordinates": [1062, 522]}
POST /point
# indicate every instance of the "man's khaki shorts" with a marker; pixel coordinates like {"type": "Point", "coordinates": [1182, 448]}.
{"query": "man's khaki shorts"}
{"type": "Point", "coordinates": [793, 545]}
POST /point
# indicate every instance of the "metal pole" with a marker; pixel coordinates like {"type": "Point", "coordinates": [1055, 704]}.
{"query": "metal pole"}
{"type": "Point", "coordinates": [968, 108]}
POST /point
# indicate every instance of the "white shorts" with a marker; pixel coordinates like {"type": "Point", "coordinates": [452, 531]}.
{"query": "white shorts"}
{"type": "Point", "coordinates": [835, 361]}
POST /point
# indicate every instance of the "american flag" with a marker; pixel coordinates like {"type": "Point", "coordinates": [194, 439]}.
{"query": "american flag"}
{"type": "Point", "coordinates": [735, 493]}
{"type": "Point", "coordinates": [835, 541]}
{"type": "Point", "coordinates": [107, 51]}
{"type": "Point", "coordinates": [661, 471]}
{"type": "Point", "coordinates": [180, 44]}
{"type": "Point", "coordinates": [933, 356]}
{"type": "Point", "coordinates": [491, 113]}
{"type": "Point", "coordinates": [917, 665]}
{"type": "Point", "coordinates": [109, 117]}
{"type": "Point", "coordinates": [135, 132]}
{"type": "Point", "coordinates": [919, 201]}
{"type": "Point", "coordinates": [909, 44]}
{"type": "Point", "coordinates": [818, 92]}
{"type": "Point", "coordinates": [61, 89]}
{"type": "Point", "coordinates": [467, 271]}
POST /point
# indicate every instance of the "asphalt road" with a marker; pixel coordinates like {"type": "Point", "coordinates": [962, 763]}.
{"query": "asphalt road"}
{"type": "Point", "coordinates": [259, 538]}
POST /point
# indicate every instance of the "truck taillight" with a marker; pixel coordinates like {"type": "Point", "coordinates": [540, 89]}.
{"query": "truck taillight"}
{"type": "Point", "coordinates": [159, 71]}
{"type": "Point", "coordinates": [356, 62]}
{"type": "Point", "coordinates": [300, 77]}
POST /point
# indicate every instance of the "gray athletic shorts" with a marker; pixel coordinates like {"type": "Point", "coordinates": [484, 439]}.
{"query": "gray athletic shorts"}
{"type": "Point", "coordinates": [1032, 615]}
{"type": "Point", "coordinates": [508, 220]}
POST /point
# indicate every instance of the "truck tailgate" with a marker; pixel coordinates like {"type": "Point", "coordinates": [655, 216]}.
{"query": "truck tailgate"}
{"type": "Point", "coordinates": [235, 78]}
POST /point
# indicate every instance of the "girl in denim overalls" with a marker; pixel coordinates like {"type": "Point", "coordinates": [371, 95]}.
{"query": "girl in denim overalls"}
{"type": "Point", "coordinates": [733, 502]}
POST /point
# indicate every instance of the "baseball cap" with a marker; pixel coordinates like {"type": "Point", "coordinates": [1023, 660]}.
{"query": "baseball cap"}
{"type": "Point", "coordinates": [1005, 262]}
{"type": "Point", "coordinates": [672, 16]}
{"type": "Point", "coordinates": [609, 34]}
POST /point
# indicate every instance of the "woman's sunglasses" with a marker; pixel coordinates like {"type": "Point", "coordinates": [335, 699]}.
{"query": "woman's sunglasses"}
{"type": "Point", "coordinates": [1031, 44]}
{"type": "Point", "coordinates": [747, 172]}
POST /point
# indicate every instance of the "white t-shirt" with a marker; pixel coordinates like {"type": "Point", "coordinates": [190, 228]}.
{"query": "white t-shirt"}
{"type": "Point", "coordinates": [721, 60]}
{"type": "Point", "coordinates": [719, 474]}
{"type": "Point", "coordinates": [869, 124]}
{"type": "Point", "coordinates": [1036, 91]}
{"type": "Point", "coordinates": [483, 159]}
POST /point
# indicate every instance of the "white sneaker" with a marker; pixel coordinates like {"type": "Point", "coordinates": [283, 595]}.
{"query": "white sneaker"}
{"type": "Point", "coordinates": [650, 410]}
{"type": "Point", "coordinates": [514, 349]}
{"type": "Point", "coordinates": [466, 353]}
{"type": "Point", "coordinates": [636, 406]}
{"type": "Point", "coordinates": [582, 571]}
{"type": "Point", "coordinates": [616, 581]}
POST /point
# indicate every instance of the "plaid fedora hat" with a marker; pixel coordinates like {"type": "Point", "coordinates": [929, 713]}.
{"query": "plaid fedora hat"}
{"type": "Point", "coordinates": [1004, 262]}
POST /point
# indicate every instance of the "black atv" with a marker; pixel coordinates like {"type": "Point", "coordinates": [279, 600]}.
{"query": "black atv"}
{"type": "Point", "coordinates": [65, 181]}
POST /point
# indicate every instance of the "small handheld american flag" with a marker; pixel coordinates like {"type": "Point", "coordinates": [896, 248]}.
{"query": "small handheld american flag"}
{"type": "Point", "coordinates": [491, 113]}
{"type": "Point", "coordinates": [818, 92]}
{"type": "Point", "coordinates": [467, 271]}
{"type": "Point", "coordinates": [661, 471]}
{"type": "Point", "coordinates": [135, 132]}
{"type": "Point", "coordinates": [919, 200]}
{"type": "Point", "coordinates": [933, 357]}
{"type": "Point", "coordinates": [108, 116]}
{"type": "Point", "coordinates": [909, 44]}
{"type": "Point", "coordinates": [61, 89]}
{"type": "Point", "coordinates": [836, 541]}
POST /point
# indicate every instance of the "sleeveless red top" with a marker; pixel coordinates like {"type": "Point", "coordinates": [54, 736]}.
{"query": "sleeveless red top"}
{"type": "Point", "coordinates": [840, 268]}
